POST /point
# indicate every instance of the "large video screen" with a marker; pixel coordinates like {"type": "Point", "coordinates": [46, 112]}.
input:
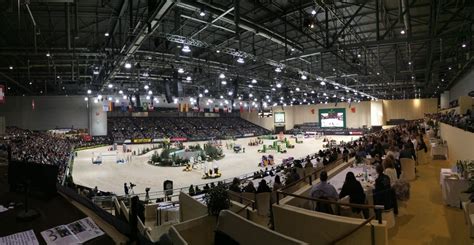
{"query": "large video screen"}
{"type": "Point", "coordinates": [279, 117]}
{"type": "Point", "coordinates": [332, 118]}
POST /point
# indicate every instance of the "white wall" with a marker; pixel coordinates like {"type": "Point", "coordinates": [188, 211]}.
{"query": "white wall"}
{"type": "Point", "coordinates": [376, 113]}
{"type": "Point", "coordinates": [50, 112]}
{"type": "Point", "coordinates": [463, 86]}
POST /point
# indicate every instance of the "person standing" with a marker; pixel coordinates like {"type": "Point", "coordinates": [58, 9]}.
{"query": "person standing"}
{"type": "Point", "coordinates": [125, 188]}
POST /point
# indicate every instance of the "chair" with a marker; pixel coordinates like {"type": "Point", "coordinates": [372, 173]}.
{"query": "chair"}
{"type": "Point", "coordinates": [263, 203]}
{"type": "Point", "coordinates": [408, 169]}
{"type": "Point", "coordinates": [247, 195]}
{"type": "Point", "coordinates": [388, 216]}
{"type": "Point", "coordinates": [345, 210]}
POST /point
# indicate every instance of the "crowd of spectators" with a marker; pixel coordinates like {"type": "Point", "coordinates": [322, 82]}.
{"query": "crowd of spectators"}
{"type": "Point", "coordinates": [195, 128]}
{"type": "Point", "coordinates": [462, 121]}
{"type": "Point", "coordinates": [46, 148]}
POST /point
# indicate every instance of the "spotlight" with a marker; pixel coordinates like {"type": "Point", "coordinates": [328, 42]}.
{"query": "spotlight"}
{"type": "Point", "coordinates": [378, 73]}
{"type": "Point", "coordinates": [449, 68]}
{"type": "Point", "coordinates": [250, 86]}
{"type": "Point", "coordinates": [48, 54]}
{"type": "Point", "coordinates": [402, 32]}
{"type": "Point", "coordinates": [99, 97]}
{"type": "Point", "coordinates": [322, 83]}
{"type": "Point", "coordinates": [180, 70]}
{"type": "Point", "coordinates": [240, 60]}
{"type": "Point", "coordinates": [202, 13]}
{"type": "Point", "coordinates": [224, 82]}
{"type": "Point", "coordinates": [148, 97]}
{"type": "Point", "coordinates": [312, 91]}
{"type": "Point", "coordinates": [278, 85]}
{"type": "Point", "coordinates": [110, 85]}
{"type": "Point", "coordinates": [313, 12]}
{"type": "Point", "coordinates": [133, 98]}
{"type": "Point", "coordinates": [186, 49]}
{"type": "Point", "coordinates": [304, 77]}
{"type": "Point", "coordinates": [206, 91]}
{"type": "Point", "coordinates": [200, 95]}
{"type": "Point", "coordinates": [95, 72]}
{"type": "Point", "coordinates": [358, 55]}
{"type": "Point", "coordinates": [218, 51]}
{"type": "Point", "coordinates": [95, 101]}
{"type": "Point", "coordinates": [128, 65]}
{"type": "Point", "coordinates": [120, 92]}
{"type": "Point", "coordinates": [463, 45]}
{"type": "Point", "coordinates": [278, 69]}
{"type": "Point", "coordinates": [89, 91]}
{"type": "Point", "coordinates": [86, 99]}
{"type": "Point", "coordinates": [336, 87]}
{"type": "Point", "coordinates": [297, 89]}
{"type": "Point", "coordinates": [254, 81]}
{"type": "Point", "coordinates": [222, 76]}
{"type": "Point", "coordinates": [250, 95]}
{"type": "Point", "coordinates": [106, 34]}
{"type": "Point", "coordinates": [146, 87]}
{"type": "Point", "coordinates": [230, 93]}
{"type": "Point", "coordinates": [188, 78]}
{"type": "Point", "coordinates": [11, 67]}
{"type": "Point", "coordinates": [409, 62]}
{"type": "Point", "coordinates": [150, 92]}
{"type": "Point", "coordinates": [124, 97]}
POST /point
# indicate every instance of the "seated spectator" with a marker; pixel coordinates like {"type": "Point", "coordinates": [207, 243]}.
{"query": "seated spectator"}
{"type": "Point", "coordinates": [383, 193]}
{"type": "Point", "coordinates": [235, 186]}
{"type": "Point", "coordinates": [389, 170]}
{"type": "Point", "coordinates": [277, 183]}
{"type": "Point", "coordinates": [293, 176]}
{"type": "Point", "coordinates": [263, 187]}
{"type": "Point", "coordinates": [353, 188]}
{"type": "Point", "coordinates": [249, 188]}
{"type": "Point", "coordinates": [323, 189]}
{"type": "Point", "coordinates": [407, 152]}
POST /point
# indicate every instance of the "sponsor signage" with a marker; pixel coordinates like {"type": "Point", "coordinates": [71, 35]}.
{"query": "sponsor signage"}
{"type": "Point", "coordinates": [141, 140]}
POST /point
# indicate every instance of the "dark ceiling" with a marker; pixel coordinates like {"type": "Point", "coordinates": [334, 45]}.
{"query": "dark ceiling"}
{"type": "Point", "coordinates": [356, 47]}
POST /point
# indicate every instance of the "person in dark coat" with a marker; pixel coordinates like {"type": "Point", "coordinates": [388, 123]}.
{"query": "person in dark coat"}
{"type": "Point", "coordinates": [263, 187]}
{"type": "Point", "coordinates": [354, 190]}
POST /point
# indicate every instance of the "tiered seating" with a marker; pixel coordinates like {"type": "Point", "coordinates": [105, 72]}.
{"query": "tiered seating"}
{"type": "Point", "coordinates": [198, 128]}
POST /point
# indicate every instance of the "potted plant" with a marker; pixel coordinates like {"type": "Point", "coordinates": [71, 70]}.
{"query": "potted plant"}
{"type": "Point", "coordinates": [217, 199]}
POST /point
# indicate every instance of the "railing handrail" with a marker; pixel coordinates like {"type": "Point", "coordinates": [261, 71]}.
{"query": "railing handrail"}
{"type": "Point", "coordinates": [353, 205]}
{"type": "Point", "coordinates": [354, 230]}
{"type": "Point", "coordinates": [236, 194]}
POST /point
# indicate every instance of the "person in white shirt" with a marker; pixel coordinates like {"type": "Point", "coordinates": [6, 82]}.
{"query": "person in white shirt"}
{"type": "Point", "coordinates": [389, 169]}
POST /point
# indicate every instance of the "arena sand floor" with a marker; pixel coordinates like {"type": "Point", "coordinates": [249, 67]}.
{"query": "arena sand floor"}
{"type": "Point", "coordinates": [110, 176]}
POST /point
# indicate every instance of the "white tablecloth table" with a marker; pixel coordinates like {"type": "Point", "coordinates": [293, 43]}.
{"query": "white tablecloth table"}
{"type": "Point", "coordinates": [439, 150]}
{"type": "Point", "coordinates": [452, 187]}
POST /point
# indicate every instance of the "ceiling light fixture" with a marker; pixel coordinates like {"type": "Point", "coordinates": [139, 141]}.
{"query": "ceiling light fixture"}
{"type": "Point", "coordinates": [402, 32]}
{"type": "Point", "coordinates": [180, 70]}
{"type": "Point", "coordinates": [186, 49]}
{"type": "Point", "coordinates": [146, 87]}
{"type": "Point", "coordinates": [188, 78]}
{"type": "Point", "coordinates": [128, 65]}
{"type": "Point", "coordinates": [240, 60]}
{"type": "Point", "coordinates": [89, 91]}
{"type": "Point", "coordinates": [222, 76]}
{"type": "Point", "coordinates": [254, 81]}
{"type": "Point", "coordinates": [278, 85]}
{"type": "Point", "coordinates": [110, 85]}
{"type": "Point", "coordinates": [304, 77]}
{"type": "Point", "coordinates": [278, 69]}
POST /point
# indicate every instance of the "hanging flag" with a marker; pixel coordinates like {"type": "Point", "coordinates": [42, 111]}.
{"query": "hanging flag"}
{"type": "Point", "coordinates": [312, 111]}
{"type": "Point", "coordinates": [111, 106]}
{"type": "Point", "coordinates": [105, 106]}
{"type": "Point", "coordinates": [151, 106]}
{"type": "Point", "coordinates": [216, 108]}
{"type": "Point", "coordinates": [241, 109]}
{"type": "Point", "coordinates": [186, 107]}
{"type": "Point", "coordinates": [353, 109]}
{"type": "Point", "coordinates": [2, 94]}
{"type": "Point", "coordinates": [123, 107]}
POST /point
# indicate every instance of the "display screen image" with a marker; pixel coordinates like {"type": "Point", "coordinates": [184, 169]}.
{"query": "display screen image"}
{"type": "Point", "coordinates": [332, 118]}
{"type": "Point", "coordinates": [279, 117]}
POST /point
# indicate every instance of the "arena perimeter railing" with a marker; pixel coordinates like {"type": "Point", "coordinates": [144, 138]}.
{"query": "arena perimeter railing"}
{"type": "Point", "coordinates": [175, 192]}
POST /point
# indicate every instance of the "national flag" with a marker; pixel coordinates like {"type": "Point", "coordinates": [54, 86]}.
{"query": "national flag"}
{"type": "Point", "coordinates": [2, 94]}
